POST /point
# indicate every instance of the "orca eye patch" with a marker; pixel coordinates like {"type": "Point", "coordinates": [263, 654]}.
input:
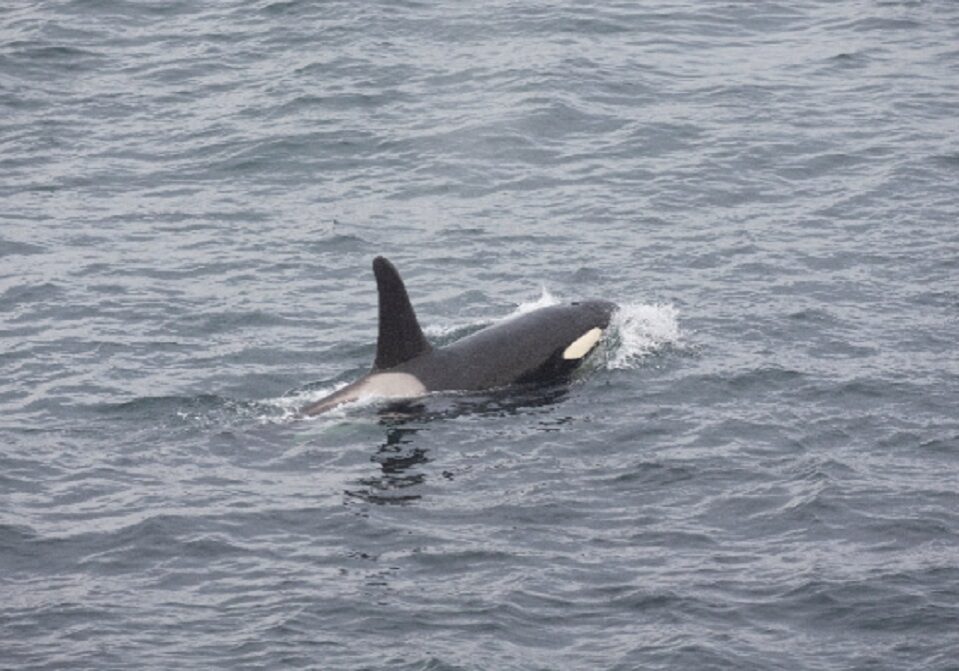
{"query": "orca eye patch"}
{"type": "Point", "coordinates": [583, 344]}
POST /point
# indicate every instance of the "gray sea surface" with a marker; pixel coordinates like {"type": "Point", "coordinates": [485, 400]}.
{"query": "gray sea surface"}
{"type": "Point", "coordinates": [759, 471]}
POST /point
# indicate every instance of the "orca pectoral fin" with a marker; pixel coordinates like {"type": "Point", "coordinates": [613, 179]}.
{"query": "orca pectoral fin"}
{"type": "Point", "coordinates": [400, 336]}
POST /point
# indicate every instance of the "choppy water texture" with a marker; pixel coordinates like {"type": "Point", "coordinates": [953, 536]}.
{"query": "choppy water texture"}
{"type": "Point", "coordinates": [759, 472]}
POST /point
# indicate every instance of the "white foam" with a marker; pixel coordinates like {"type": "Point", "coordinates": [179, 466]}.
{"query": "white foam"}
{"type": "Point", "coordinates": [443, 330]}
{"type": "Point", "coordinates": [638, 330]}
{"type": "Point", "coordinates": [545, 300]}
{"type": "Point", "coordinates": [290, 405]}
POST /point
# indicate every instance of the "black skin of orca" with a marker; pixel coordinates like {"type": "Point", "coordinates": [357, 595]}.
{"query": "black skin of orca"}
{"type": "Point", "coordinates": [525, 349]}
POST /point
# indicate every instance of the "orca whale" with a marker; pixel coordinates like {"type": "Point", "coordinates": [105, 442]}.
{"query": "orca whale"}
{"type": "Point", "coordinates": [539, 346]}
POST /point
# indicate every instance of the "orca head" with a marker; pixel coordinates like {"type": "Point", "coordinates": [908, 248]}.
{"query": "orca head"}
{"type": "Point", "coordinates": [592, 319]}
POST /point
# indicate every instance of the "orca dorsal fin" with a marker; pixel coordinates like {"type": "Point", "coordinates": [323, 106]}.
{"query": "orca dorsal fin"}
{"type": "Point", "coordinates": [400, 338]}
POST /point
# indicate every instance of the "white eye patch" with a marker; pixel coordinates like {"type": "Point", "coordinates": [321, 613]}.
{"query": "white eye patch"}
{"type": "Point", "coordinates": [583, 344]}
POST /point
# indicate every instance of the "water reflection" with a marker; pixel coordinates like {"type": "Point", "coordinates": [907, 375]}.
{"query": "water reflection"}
{"type": "Point", "coordinates": [402, 461]}
{"type": "Point", "coordinates": [398, 459]}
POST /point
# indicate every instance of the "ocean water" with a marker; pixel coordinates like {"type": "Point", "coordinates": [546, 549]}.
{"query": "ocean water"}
{"type": "Point", "coordinates": [760, 470]}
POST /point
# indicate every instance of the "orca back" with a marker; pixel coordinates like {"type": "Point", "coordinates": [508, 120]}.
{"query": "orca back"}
{"type": "Point", "coordinates": [527, 348]}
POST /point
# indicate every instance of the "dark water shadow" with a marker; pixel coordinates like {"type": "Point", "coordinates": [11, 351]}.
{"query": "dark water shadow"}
{"type": "Point", "coordinates": [401, 457]}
